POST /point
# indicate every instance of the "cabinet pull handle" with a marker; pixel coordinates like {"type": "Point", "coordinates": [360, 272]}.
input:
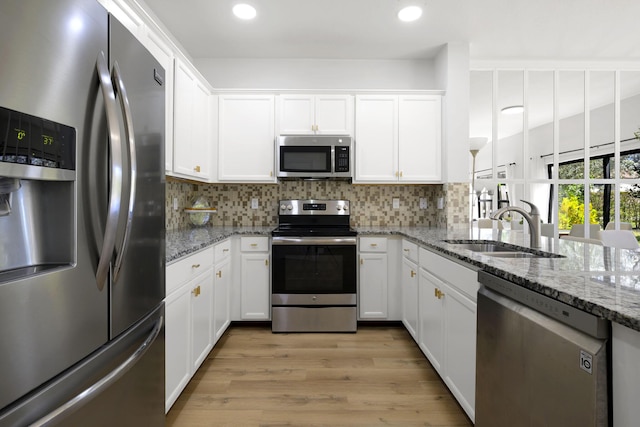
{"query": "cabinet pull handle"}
{"type": "Point", "coordinates": [196, 291]}
{"type": "Point", "coordinates": [413, 273]}
{"type": "Point", "coordinates": [197, 168]}
{"type": "Point", "coordinates": [435, 292]}
{"type": "Point", "coordinates": [374, 245]}
{"type": "Point", "coordinates": [406, 250]}
{"type": "Point", "coordinates": [396, 174]}
{"type": "Point", "coordinates": [271, 173]}
{"type": "Point", "coordinates": [195, 266]}
{"type": "Point", "coordinates": [440, 294]}
{"type": "Point", "coordinates": [225, 250]}
{"type": "Point", "coordinates": [266, 262]}
{"type": "Point", "coordinates": [361, 261]}
{"type": "Point", "coordinates": [400, 174]}
{"type": "Point", "coordinates": [219, 273]}
{"type": "Point", "coordinates": [253, 245]}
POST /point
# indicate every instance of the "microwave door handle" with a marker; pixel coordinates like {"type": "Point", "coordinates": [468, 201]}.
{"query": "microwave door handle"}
{"type": "Point", "coordinates": [115, 191]}
{"type": "Point", "coordinates": [133, 164]}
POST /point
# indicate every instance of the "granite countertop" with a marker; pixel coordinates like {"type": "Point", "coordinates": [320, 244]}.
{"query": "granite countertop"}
{"type": "Point", "coordinates": [600, 280]}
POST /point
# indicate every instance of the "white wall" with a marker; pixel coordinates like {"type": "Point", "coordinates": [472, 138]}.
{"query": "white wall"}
{"type": "Point", "coordinates": [318, 74]}
{"type": "Point", "coordinates": [452, 75]}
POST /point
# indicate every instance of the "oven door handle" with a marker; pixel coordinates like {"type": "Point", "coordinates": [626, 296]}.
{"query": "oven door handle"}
{"type": "Point", "coordinates": [315, 241]}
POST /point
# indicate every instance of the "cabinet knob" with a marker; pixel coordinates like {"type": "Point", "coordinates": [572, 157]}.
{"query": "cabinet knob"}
{"type": "Point", "coordinates": [219, 273]}
{"type": "Point", "coordinates": [197, 168]}
{"type": "Point", "coordinates": [440, 294]}
{"type": "Point", "coordinates": [413, 273]}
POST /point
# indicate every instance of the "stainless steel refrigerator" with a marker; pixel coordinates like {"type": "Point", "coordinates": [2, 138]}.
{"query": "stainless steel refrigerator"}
{"type": "Point", "coordinates": [81, 219]}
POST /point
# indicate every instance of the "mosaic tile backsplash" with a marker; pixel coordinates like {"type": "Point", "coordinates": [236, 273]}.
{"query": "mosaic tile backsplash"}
{"type": "Point", "coordinates": [371, 205]}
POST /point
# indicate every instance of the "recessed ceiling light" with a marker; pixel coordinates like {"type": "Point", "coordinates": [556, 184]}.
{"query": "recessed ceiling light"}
{"type": "Point", "coordinates": [244, 11]}
{"type": "Point", "coordinates": [409, 13]}
{"type": "Point", "coordinates": [513, 109]}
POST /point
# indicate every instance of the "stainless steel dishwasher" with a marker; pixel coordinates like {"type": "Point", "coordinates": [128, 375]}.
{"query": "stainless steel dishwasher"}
{"type": "Point", "coordinates": [540, 362]}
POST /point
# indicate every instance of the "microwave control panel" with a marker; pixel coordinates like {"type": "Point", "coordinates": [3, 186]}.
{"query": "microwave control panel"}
{"type": "Point", "coordinates": [342, 159]}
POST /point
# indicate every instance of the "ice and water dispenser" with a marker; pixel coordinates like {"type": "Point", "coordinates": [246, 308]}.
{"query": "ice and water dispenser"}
{"type": "Point", "coordinates": [37, 194]}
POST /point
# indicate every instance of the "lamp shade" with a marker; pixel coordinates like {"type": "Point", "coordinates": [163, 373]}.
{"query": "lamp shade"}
{"type": "Point", "coordinates": [476, 143]}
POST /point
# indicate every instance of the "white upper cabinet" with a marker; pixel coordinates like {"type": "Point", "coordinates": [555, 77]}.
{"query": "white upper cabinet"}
{"type": "Point", "coordinates": [420, 140]}
{"type": "Point", "coordinates": [398, 139]}
{"type": "Point", "coordinates": [376, 138]}
{"type": "Point", "coordinates": [246, 138]}
{"type": "Point", "coordinates": [315, 114]}
{"type": "Point", "coordinates": [192, 142]}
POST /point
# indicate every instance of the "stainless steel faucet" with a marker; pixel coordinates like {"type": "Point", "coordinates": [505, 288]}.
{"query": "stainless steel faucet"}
{"type": "Point", "coordinates": [533, 218]}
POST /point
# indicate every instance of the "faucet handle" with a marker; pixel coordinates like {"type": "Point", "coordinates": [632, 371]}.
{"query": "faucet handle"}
{"type": "Point", "coordinates": [534, 208]}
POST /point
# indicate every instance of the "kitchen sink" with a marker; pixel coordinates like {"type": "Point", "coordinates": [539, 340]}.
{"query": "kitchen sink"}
{"type": "Point", "coordinates": [501, 249]}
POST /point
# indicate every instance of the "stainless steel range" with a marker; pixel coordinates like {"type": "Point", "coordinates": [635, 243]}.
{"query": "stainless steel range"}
{"type": "Point", "coordinates": [314, 268]}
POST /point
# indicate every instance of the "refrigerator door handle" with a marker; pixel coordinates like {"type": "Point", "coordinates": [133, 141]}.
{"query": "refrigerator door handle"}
{"type": "Point", "coordinates": [105, 382]}
{"type": "Point", "coordinates": [131, 145]}
{"type": "Point", "coordinates": [115, 192]}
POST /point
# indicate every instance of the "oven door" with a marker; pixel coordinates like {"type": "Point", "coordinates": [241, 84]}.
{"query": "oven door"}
{"type": "Point", "coordinates": [314, 265]}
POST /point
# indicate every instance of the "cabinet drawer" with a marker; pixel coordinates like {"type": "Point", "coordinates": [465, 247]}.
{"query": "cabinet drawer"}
{"type": "Point", "coordinates": [460, 277]}
{"type": "Point", "coordinates": [222, 250]}
{"type": "Point", "coordinates": [373, 244]}
{"type": "Point", "coordinates": [254, 244]}
{"type": "Point", "coordinates": [410, 250]}
{"type": "Point", "coordinates": [187, 268]}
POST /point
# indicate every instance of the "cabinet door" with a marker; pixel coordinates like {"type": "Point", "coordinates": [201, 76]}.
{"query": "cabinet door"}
{"type": "Point", "coordinates": [222, 281]}
{"type": "Point", "coordinates": [373, 286]}
{"type": "Point", "coordinates": [246, 138]}
{"type": "Point", "coordinates": [177, 344]}
{"type": "Point", "coordinates": [255, 300]}
{"type": "Point", "coordinates": [376, 138]}
{"type": "Point", "coordinates": [460, 347]}
{"type": "Point", "coordinates": [334, 114]}
{"type": "Point", "coordinates": [201, 313]}
{"type": "Point", "coordinates": [431, 318]}
{"type": "Point", "coordinates": [410, 296]}
{"type": "Point", "coordinates": [191, 143]}
{"type": "Point", "coordinates": [419, 136]}
{"type": "Point", "coordinates": [296, 114]}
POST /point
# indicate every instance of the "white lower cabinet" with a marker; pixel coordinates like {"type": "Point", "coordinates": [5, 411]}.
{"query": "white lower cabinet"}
{"type": "Point", "coordinates": [255, 302]}
{"type": "Point", "coordinates": [373, 280]}
{"type": "Point", "coordinates": [410, 296]}
{"type": "Point", "coordinates": [447, 328]}
{"type": "Point", "coordinates": [189, 313]}
{"type": "Point", "coordinates": [625, 353]}
{"type": "Point", "coordinates": [221, 289]}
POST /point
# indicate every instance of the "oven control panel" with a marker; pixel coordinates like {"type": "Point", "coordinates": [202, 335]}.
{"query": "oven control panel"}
{"type": "Point", "coordinates": [314, 207]}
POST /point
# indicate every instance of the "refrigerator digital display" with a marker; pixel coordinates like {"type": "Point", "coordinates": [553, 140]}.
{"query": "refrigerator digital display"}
{"type": "Point", "coordinates": [35, 141]}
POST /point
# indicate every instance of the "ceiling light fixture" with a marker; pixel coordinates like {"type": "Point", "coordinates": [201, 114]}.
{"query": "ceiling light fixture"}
{"type": "Point", "coordinates": [244, 11]}
{"type": "Point", "coordinates": [410, 13]}
{"type": "Point", "coordinates": [512, 109]}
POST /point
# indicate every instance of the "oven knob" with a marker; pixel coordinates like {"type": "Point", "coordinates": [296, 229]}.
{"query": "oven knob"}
{"type": "Point", "coordinates": [283, 207]}
{"type": "Point", "coordinates": [290, 207]}
{"type": "Point", "coordinates": [314, 298]}
{"type": "Point", "coordinates": [338, 207]}
{"type": "Point", "coordinates": [345, 207]}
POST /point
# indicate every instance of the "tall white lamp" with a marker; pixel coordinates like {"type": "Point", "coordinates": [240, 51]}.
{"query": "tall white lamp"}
{"type": "Point", "coordinates": [475, 145]}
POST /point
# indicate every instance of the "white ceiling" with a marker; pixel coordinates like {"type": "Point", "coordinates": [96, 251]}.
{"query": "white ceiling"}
{"type": "Point", "coordinates": [368, 29]}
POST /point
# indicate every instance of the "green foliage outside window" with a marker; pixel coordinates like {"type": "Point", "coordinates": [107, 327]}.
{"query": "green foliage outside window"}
{"type": "Point", "coordinates": [572, 212]}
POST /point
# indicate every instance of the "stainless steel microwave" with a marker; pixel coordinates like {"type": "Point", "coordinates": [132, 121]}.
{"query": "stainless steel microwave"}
{"type": "Point", "coordinates": [314, 156]}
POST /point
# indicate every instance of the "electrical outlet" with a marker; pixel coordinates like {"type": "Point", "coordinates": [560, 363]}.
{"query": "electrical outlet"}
{"type": "Point", "coordinates": [396, 203]}
{"type": "Point", "coordinates": [254, 203]}
{"type": "Point", "coordinates": [423, 203]}
{"type": "Point", "coordinates": [175, 203]}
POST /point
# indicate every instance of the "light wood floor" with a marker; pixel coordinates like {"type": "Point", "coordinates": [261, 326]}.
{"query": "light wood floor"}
{"type": "Point", "coordinates": [375, 377]}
